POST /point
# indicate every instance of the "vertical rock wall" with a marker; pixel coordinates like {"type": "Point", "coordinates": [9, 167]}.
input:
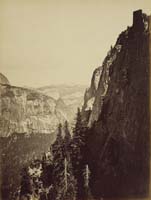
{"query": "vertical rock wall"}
{"type": "Point", "coordinates": [118, 139]}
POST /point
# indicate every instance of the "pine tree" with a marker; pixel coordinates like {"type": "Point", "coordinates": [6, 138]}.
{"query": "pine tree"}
{"type": "Point", "coordinates": [67, 140]}
{"type": "Point", "coordinates": [64, 182]}
{"type": "Point", "coordinates": [67, 189]}
{"type": "Point", "coordinates": [67, 137]}
{"type": "Point", "coordinates": [78, 149]}
{"type": "Point", "coordinates": [70, 184]}
{"type": "Point", "coordinates": [26, 183]}
{"type": "Point", "coordinates": [57, 147]}
{"type": "Point", "coordinates": [58, 165]}
{"type": "Point", "coordinates": [86, 182]}
{"type": "Point", "coordinates": [47, 168]}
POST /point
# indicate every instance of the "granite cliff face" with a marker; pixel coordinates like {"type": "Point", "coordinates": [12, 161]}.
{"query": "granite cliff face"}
{"type": "Point", "coordinates": [90, 93]}
{"type": "Point", "coordinates": [118, 139]}
{"type": "Point", "coordinates": [33, 110]}
{"type": "Point", "coordinates": [24, 110]}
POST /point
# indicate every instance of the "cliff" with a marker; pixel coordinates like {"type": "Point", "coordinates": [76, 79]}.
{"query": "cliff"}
{"type": "Point", "coordinates": [24, 110]}
{"type": "Point", "coordinates": [36, 110]}
{"type": "Point", "coordinates": [118, 139]}
{"type": "Point", "coordinates": [91, 92]}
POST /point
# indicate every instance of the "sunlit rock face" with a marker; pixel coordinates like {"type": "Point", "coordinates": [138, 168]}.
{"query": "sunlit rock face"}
{"type": "Point", "coordinates": [90, 93]}
{"type": "Point", "coordinates": [103, 82]}
{"type": "Point", "coordinates": [99, 84]}
{"type": "Point", "coordinates": [118, 139]}
{"type": "Point", "coordinates": [38, 110]}
{"type": "Point", "coordinates": [24, 110]}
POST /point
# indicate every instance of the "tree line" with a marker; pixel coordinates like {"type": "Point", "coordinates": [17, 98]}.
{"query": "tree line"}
{"type": "Point", "coordinates": [65, 174]}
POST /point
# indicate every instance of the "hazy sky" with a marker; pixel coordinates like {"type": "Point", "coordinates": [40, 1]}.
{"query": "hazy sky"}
{"type": "Point", "coordinates": [46, 42]}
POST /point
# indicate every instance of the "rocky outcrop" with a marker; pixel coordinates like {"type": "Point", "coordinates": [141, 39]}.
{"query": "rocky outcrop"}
{"type": "Point", "coordinates": [3, 80]}
{"type": "Point", "coordinates": [91, 92]}
{"type": "Point", "coordinates": [118, 139]}
{"type": "Point", "coordinates": [99, 84]}
{"type": "Point", "coordinates": [103, 82]}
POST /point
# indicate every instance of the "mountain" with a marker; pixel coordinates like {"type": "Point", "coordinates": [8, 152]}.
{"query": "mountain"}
{"type": "Point", "coordinates": [114, 145]}
{"type": "Point", "coordinates": [3, 80]}
{"type": "Point", "coordinates": [63, 90]}
{"type": "Point", "coordinates": [26, 114]}
{"type": "Point", "coordinates": [69, 96]}
{"type": "Point", "coordinates": [117, 112]}
{"type": "Point", "coordinates": [25, 110]}
{"type": "Point", "coordinates": [35, 110]}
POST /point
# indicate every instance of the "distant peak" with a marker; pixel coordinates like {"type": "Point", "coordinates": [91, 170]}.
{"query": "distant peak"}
{"type": "Point", "coordinates": [3, 80]}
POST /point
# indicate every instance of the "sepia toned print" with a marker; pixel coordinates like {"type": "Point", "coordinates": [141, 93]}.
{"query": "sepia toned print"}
{"type": "Point", "coordinates": [75, 100]}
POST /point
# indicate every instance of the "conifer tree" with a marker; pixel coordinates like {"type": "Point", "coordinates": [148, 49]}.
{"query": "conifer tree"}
{"type": "Point", "coordinates": [57, 147]}
{"type": "Point", "coordinates": [47, 168]}
{"type": "Point", "coordinates": [69, 181]}
{"type": "Point", "coordinates": [64, 182]}
{"type": "Point", "coordinates": [67, 140]}
{"type": "Point", "coordinates": [26, 183]}
{"type": "Point", "coordinates": [67, 132]}
{"type": "Point", "coordinates": [67, 186]}
{"type": "Point", "coordinates": [86, 182]}
{"type": "Point", "coordinates": [78, 148]}
{"type": "Point", "coordinates": [58, 165]}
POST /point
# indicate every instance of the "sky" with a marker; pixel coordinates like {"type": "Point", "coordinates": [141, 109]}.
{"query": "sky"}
{"type": "Point", "coordinates": [44, 42]}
